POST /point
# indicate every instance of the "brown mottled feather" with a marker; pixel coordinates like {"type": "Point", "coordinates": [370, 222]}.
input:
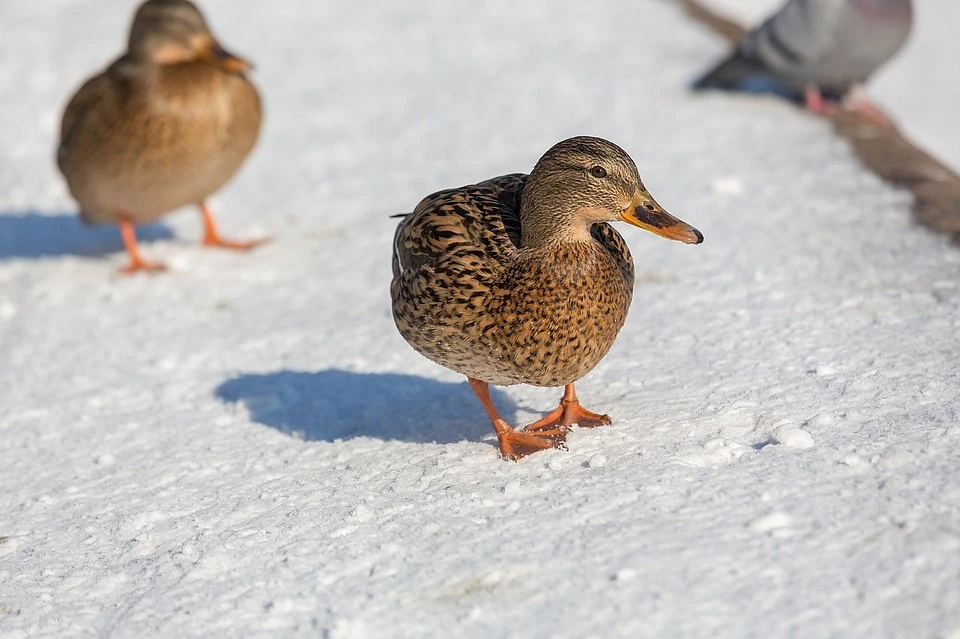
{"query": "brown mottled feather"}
{"type": "Point", "coordinates": [468, 296]}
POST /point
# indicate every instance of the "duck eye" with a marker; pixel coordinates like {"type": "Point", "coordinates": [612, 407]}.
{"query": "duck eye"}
{"type": "Point", "coordinates": [598, 172]}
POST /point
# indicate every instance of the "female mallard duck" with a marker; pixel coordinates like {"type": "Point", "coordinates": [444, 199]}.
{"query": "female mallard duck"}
{"type": "Point", "coordinates": [165, 125]}
{"type": "Point", "coordinates": [520, 280]}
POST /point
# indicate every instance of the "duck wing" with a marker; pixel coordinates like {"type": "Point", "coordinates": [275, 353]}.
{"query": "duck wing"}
{"type": "Point", "coordinates": [469, 231]}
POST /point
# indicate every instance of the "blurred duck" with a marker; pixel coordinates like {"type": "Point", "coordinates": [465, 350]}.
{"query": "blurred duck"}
{"type": "Point", "coordinates": [817, 51]}
{"type": "Point", "coordinates": [165, 125]}
{"type": "Point", "coordinates": [521, 280]}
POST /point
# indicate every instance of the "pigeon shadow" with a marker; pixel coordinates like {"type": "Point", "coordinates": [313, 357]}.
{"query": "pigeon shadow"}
{"type": "Point", "coordinates": [33, 235]}
{"type": "Point", "coordinates": [335, 404]}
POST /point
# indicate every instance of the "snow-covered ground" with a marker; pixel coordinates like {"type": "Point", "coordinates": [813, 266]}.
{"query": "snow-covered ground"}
{"type": "Point", "coordinates": [244, 446]}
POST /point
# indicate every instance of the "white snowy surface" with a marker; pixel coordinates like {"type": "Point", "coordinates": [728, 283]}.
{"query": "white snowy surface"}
{"type": "Point", "coordinates": [244, 446]}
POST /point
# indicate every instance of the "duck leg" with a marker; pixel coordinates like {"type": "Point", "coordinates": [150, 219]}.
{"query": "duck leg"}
{"type": "Point", "coordinates": [211, 237]}
{"type": "Point", "coordinates": [568, 413]}
{"type": "Point", "coordinates": [516, 444]}
{"type": "Point", "coordinates": [137, 263]}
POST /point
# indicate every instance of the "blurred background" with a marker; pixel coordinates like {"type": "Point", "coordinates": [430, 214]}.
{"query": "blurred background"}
{"type": "Point", "coordinates": [245, 442]}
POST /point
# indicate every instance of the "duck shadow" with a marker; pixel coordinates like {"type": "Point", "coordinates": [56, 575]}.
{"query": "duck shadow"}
{"type": "Point", "coordinates": [335, 404]}
{"type": "Point", "coordinates": [33, 235]}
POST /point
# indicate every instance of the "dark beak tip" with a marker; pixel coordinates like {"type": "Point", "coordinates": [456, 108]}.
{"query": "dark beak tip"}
{"type": "Point", "coordinates": [699, 236]}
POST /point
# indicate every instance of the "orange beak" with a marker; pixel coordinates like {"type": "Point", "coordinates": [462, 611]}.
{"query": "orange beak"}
{"type": "Point", "coordinates": [218, 56]}
{"type": "Point", "coordinates": [644, 212]}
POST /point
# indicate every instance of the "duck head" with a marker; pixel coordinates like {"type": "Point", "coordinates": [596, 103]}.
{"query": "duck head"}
{"type": "Point", "coordinates": [174, 31]}
{"type": "Point", "coordinates": [585, 180]}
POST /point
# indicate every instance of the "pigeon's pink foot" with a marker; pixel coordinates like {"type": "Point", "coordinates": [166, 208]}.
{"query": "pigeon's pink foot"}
{"type": "Point", "coordinates": [868, 110]}
{"type": "Point", "coordinates": [817, 104]}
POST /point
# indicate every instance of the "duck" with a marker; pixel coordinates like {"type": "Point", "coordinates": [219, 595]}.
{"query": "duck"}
{"type": "Point", "coordinates": [817, 52]}
{"type": "Point", "coordinates": [165, 125]}
{"type": "Point", "coordinates": [521, 279]}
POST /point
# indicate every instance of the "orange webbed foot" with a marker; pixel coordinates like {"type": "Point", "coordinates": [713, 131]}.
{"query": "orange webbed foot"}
{"type": "Point", "coordinates": [142, 266]}
{"type": "Point", "coordinates": [515, 445]}
{"type": "Point", "coordinates": [551, 420]}
{"type": "Point", "coordinates": [211, 236]}
{"type": "Point", "coordinates": [577, 414]}
{"type": "Point", "coordinates": [137, 263]}
{"type": "Point", "coordinates": [236, 245]}
{"type": "Point", "coordinates": [568, 413]}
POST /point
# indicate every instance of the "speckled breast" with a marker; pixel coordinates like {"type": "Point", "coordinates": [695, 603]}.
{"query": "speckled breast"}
{"type": "Point", "coordinates": [545, 322]}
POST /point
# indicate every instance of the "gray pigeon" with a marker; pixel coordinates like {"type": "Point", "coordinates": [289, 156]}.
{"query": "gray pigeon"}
{"type": "Point", "coordinates": [815, 49]}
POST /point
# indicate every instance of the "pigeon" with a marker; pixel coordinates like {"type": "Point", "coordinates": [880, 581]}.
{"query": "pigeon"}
{"type": "Point", "coordinates": [817, 52]}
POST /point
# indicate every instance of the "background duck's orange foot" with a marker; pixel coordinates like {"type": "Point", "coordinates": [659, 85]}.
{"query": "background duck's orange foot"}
{"type": "Point", "coordinates": [517, 444]}
{"type": "Point", "coordinates": [143, 266]}
{"type": "Point", "coordinates": [815, 103]}
{"type": "Point", "coordinates": [211, 235]}
{"type": "Point", "coordinates": [236, 245]}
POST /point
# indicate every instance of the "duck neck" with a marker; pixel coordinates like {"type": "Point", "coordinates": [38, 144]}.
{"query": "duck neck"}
{"type": "Point", "coordinates": [546, 223]}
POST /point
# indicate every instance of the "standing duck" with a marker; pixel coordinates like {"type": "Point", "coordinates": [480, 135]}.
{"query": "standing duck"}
{"type": "Point", "coordinates": [817, 51]}
{"type": "Point", "coordinates": [521, 280]}
{"type": "Point", "coordinates": [165, 125]}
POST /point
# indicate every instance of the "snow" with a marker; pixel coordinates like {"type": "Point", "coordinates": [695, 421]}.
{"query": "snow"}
{"type": "Point", "coordinates": [245, 446]}
{"type": "Point", "coordinates": [793, 437]}
{"type": "Point", "coordinates": [776, 523]}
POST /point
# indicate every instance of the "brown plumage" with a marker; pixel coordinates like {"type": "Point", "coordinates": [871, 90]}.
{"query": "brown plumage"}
{"type": "Point", "coordinates": [165, 125]}
{"type": "Point", "coordinates": [521, 280]}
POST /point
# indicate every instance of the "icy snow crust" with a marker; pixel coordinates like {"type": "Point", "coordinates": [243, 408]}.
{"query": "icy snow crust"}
{"type": "Point", "coordinates": [244, 446]}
